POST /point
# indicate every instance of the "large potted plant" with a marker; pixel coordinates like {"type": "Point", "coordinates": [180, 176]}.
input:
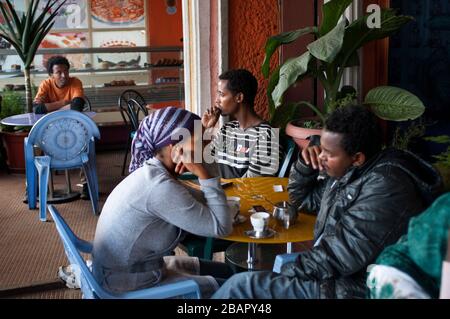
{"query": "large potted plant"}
{"type": "Point", "coordinates": [13, 136]}
{"type": "Point", "coordinates": [25, 32]}
{"type": "Point", "coordinates": [326, 58]}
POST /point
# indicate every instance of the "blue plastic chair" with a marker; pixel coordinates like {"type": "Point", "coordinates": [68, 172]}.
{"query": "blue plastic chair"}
{"type": "Point", "coordinates": [280, 260]}
{"type": "Point", "coordinates": [90, 287]}
{"type": "Point", "coordinates": [291, 148]}
{"type": "Point", "coordinates": [67, 140]}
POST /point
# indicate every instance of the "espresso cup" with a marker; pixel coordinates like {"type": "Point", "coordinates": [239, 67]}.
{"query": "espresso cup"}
{"type": "Point", "coordinates": [260, 222]}
{"type": "Point", "coordinates": [234, 203]}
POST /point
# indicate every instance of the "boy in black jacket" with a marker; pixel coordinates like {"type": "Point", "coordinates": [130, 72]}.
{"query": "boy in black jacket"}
{"type": "Point", "coordinates": [363, 204]}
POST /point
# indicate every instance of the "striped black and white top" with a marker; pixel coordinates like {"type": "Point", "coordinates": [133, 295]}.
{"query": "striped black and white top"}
{"type": "Point", "coordinates": [252, 152]}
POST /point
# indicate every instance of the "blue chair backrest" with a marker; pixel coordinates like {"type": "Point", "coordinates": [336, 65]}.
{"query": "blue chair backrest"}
{"type": "Point", "coordinates": [72, 246]}
{"type": "Point", "coordinates": [291, 149]}
{"type": "Point", "coordinates": [64, 136]}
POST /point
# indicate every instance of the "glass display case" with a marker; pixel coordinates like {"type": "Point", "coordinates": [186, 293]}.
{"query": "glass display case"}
{"type": "Point", "coordinates": [107, 45]}
{"type": "Point", "coordinates": [107, 71]}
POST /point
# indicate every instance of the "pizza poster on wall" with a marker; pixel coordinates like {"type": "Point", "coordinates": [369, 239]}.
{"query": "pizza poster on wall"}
{"type": "Point", "coordinates": [72, 15]}
{"type": "Point", "coordinates": [117, 13]}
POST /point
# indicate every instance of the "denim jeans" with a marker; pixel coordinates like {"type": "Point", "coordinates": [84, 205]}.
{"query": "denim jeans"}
{"type": "Point", "coordinates": [220, 271]}
{"type": "Point", "coordinates": [266, 285]}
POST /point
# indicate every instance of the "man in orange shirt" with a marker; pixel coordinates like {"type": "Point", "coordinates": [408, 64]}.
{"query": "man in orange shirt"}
{"type": "Point", "coordinates": [60, 91]}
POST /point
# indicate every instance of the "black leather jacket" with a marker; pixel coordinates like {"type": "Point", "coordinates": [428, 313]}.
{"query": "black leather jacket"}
{"type": "Point", "coordinates": [358, 216]}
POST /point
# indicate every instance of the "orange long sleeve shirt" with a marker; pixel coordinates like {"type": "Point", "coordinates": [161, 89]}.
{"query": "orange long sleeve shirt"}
{"type": "Point", "coordinates": [48, 91]}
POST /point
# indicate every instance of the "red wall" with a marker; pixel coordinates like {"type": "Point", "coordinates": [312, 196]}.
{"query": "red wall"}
{"type": "Point", "coordinates": [251, 22]}
{"type": "Point", "coordinates": [165, 30]}
{"type": "Point", "coordinates": [214, 50]}
{"type": "Point", "coordinates": [297, 15]}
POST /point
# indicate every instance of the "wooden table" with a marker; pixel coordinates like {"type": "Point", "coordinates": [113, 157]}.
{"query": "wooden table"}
{"type": "Point", "coordinates": [252, 191]}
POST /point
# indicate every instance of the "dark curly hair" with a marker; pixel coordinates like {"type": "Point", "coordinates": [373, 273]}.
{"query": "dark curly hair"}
{"type": "Point", "coordinates": [359, 127]}
{"type": "Point", "coordinates": [241, 81]}
{"type": "Point", "coordinates": [57, 60]}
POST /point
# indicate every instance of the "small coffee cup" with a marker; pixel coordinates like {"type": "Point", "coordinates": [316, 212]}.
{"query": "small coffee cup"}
{"type": "Point", "coordinates": [260, 222]}
{"type": "Point", "coordinates": [234, 203]}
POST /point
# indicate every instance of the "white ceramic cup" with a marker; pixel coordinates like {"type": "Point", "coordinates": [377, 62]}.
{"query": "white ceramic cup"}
{"type": "Point", "coordinates": [260, 221]}
{"type": "Point", "coordinates": [234, 203]}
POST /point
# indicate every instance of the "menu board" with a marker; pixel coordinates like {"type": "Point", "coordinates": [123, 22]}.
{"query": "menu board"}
{"type": "Point", "coordinates": [117, 13]}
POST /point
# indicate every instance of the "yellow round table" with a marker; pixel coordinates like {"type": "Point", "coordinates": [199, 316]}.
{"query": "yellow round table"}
{"type": "Point", "coordinates": [260, 191]}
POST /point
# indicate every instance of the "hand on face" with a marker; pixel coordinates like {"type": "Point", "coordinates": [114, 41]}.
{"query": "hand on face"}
{"type": "Point", "coordinates": [311, 157]}
{"type": "Point", "coordinates": [183, 157]}
{"type": "Point", "coordinates": [211, 116]}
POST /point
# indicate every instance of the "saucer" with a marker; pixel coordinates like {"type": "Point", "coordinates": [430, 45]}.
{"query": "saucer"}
{"type": "Point", "coordinates": [267, 234]}
{"type": "Point", "coordinates": [239, 219]}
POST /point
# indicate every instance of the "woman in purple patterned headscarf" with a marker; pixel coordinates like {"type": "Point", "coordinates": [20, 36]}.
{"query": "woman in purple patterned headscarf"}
{"type": "Point", "coordinates": [156, 131]}
{"type": "Point", "coordinates": [147, 214]}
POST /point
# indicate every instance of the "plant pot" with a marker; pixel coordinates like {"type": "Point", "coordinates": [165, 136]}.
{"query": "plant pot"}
{"type": "Point", "coordinates": [15, 157]}
{"type": "Point", "coordinates": [300, 134]}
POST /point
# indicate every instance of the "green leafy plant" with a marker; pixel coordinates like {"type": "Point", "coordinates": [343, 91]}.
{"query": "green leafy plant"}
{"type": "Point", "coordinates": [326, 58]}
{"type": "Point", "coordinates": [310, 124]}
{"type": "Point", "coordinates": [26, 32]}
{"type": "Point", "coordinates": [402, 138]}
{"type": "Point", "coordinates": [11, 104]}
{"type": "Point", "coordinates": [444, 157]}
{"type": "Point", "coordinates": [442, 160]}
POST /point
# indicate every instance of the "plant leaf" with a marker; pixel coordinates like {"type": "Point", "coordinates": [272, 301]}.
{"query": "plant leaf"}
{"type": "Point", "coordinates": [441, 139]}
{"type": "Point", "coordinates": [283, 38]}
{"type": "Point", "coordinates": [289, 72]}
{"type": "Point", "coordinates": [284, 114]}
{"type": "Point", "coordinates": [394, 104]}
{"type": "Point", "coordinates": [331, 13]}
{"type": "Point", "coordinates": [358, 33]}
{"type": "Point", "coordinates": [327, 47]}
{"type": "Point", "coordinates": [35, 45]}
{"type": "Point", "coordinates": [40, 23]}
{"type": "Point", "coordinates": [10, 25]}
{"type": "Point", "coordinates": [28, 22]}
{"type": "Point", "coordinates": [273, 81]}
{"type": "Point", "coordinates": [14, 16]}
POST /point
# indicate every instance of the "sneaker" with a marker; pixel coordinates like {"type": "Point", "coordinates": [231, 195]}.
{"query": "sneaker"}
{"type": "Point", "coordinates": [25, 198]}
{"type": "Point", "coordinates": [85, 192]}
{"type": "Point", "coordinates": [67, 275]}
